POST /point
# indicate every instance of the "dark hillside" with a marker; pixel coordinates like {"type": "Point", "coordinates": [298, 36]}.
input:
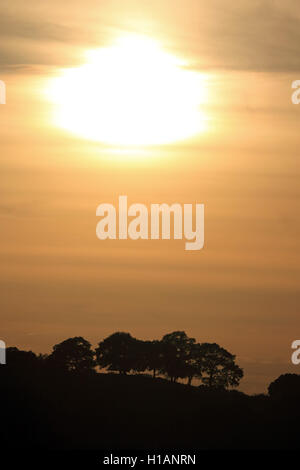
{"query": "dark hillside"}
{"type": "Point", "coordinates": [48, 409]}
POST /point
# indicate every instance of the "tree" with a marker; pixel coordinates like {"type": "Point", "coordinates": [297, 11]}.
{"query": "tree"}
{"type": "Point", "coordinates": [218, 367]}
{"type": "Point", "coordinates": [231, 375]}
{"type": "Point", "coordinates": [118, 352]}
{"type": "Point", "coordinates": [194, 362]}
{"type": "Point", "coordinates": [151, 354]}
{"type": "Point", "coordinates": [73, 354]}
{"type": "Point", "coordinates": [140, 352]}
{"type": "Point", "coordinates": [21, 360]}
{"type": "Point", "coordinates": [177, 347]}
{"type": "Point", "coordinates": [285, 387]}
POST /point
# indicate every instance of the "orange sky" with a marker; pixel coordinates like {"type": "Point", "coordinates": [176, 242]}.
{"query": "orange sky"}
{"type": "Point", "coordinates": [58, 280]}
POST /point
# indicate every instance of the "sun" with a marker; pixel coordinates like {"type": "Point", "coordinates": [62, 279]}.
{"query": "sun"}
{"type": "Point", "coordinates": [131, 93]}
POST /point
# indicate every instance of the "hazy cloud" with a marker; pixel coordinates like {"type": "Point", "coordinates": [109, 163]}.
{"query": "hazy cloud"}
{"type": "Point", "coordinates": [255, 35]}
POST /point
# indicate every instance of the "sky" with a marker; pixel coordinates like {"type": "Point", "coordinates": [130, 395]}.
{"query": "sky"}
{"type": "Point", "coordinates": [57, 279]}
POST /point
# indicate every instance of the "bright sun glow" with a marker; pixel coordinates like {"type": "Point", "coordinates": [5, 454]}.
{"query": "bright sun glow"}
{"type": "Point", "coordinates": [132, 93]}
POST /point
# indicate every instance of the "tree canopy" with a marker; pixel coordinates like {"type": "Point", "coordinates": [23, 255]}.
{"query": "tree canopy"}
{"type": "Point", "coordinates": [73, 354]}
{"type": "Point", "coordinates": [175, 356]}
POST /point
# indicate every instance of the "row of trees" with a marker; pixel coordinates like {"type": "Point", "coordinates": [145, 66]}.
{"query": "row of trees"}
{"type": "Point", "coordinates": [175, 356]}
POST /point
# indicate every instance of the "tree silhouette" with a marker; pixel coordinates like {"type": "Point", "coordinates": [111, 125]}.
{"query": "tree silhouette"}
{"type": "Point", "coordinates": [149, 355]}
{"type": "Point", "coordinates": [175, 356]}
{"type": "Point", "coordinates": [154, 356]}
{"type": "Point", "coordinates": [23, 360]}
{"type": "Point", "coordinates": [177, 347]}
{"type": "Point", "coordinates": [286, 387]}
{"type": "Point", "coordinates": [118, 352]}
{"type": "Point", "coordinates": [17, 355]}
{"type": "Point", "coordinates": [218, 367]}
{"type": "Point", "coordinates": [194, 362]}
{"type": "Point", "coordinates": [73, 354]}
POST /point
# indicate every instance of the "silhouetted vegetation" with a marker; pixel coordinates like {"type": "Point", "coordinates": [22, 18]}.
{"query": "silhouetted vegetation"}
{"type": "Point", "coordinates": [176, 356]}
{"type": "Point", "coordinates": [286, 388]}
{"type": "Point", "coordinates": [63, 401]}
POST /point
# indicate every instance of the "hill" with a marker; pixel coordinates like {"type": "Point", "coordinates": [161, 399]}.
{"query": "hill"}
{"type": "Point", "coordinates": [48, 409]}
